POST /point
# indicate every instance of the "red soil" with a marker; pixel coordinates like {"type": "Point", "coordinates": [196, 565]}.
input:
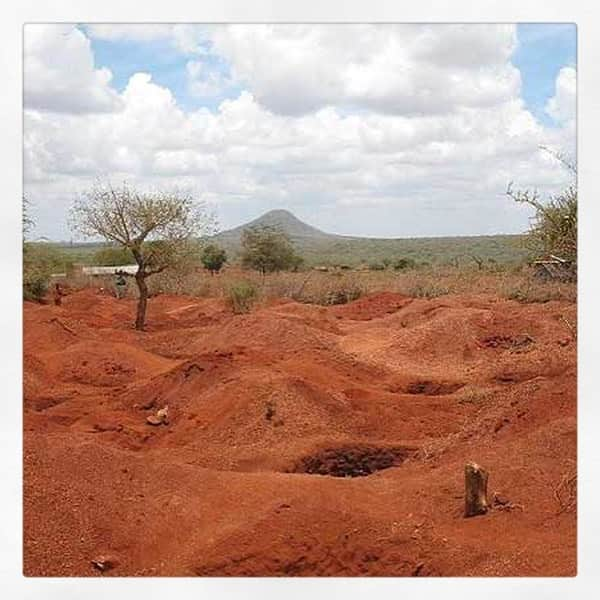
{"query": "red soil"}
{"type": "Point", "coordinates": [269, 411]}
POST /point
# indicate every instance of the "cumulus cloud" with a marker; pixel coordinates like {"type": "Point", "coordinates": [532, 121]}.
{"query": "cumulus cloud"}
{"type": "Point", "coordinates": [183, 37]}
{"type": "Point", "coordinates": [204, 80]}
{"type": "Point", "coordinates": [367, 170]}
{"type": "Point", "coordinates": [562, 106]}
{"type": "Point", "coordinates": [60, 74]}
{"type": "Point", "coordinates": [399, 69]}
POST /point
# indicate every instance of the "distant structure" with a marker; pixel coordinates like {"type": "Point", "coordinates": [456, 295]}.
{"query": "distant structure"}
{"type": "Point", "coordinates": [94, 271]}
{"type": "Point", "coordinates": [102, 271]}
{"type": "Point", "coordinates": [78, 270]}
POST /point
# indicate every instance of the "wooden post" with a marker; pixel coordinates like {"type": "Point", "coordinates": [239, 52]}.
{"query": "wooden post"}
{"type": "Point", "coordinates": [476, 478]}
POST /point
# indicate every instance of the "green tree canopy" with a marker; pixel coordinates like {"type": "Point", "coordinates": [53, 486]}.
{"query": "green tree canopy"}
{"type": "Point", "coordinates": [267, 249]}
{"type": "Point", "coordinates": [213, 258]}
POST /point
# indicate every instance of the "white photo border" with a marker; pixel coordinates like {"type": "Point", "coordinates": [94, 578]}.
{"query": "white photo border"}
{"type": "Point", "coordinates": [585, 14]}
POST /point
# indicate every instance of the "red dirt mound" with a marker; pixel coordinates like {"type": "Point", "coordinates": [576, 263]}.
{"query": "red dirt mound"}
{"type": "Point", "coordinates": [299, 440]}
{"type": "Point", "coordinates": [372, 306]}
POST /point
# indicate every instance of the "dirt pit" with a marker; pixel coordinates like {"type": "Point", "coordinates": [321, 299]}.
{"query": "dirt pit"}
{"type": "Point", "coordinates": [282, 389]}
{"type": "Point", "coordinates": [507, 342]}
{"type": "Point", "coordinates": [432, 388]}
{"type": "Point", "coordinates": [352, 461]}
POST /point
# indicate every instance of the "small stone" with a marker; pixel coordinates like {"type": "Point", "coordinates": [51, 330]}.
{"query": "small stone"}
{"type": "Point", "coordinates": [163, 414]}
{"type": "Point", "coordinates": [104, 563]}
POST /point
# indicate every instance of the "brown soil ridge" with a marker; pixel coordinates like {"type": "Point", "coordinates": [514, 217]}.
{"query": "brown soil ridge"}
{"type": "Point", "coordinates": [301, 440]}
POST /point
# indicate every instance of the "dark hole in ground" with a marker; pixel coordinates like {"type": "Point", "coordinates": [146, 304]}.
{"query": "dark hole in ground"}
{"type": "Point", "coordinates": [192, 369]}
{"type": "Point", "coordinates": [432, 388]}
{"type": "Point", "coordinates": [507, 342]}
{"type": "Point", "coordinates": [352, 461]}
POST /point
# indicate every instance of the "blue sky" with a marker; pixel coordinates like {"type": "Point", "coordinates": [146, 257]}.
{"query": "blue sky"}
{"type": "Point", "coordinates": [543, 50]}
{"type": "Point", "coordinates": [164, 62]}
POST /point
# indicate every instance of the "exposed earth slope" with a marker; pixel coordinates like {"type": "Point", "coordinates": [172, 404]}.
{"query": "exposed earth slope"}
{"type": "Point", "coordinates": [301, 440]}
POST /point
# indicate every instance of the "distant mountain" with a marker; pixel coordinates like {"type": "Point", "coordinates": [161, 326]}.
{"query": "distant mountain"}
{"type": "Point", "coordinates": [321, 248]}
{"type": "Point", "coordinates": [285, 221]}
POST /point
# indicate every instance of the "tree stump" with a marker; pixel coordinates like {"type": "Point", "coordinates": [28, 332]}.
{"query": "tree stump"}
{"type": "Point", "coordinates": [476, 501]}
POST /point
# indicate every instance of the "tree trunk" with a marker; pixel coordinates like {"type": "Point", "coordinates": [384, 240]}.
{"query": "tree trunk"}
{"type": "Point", "coordinates": [476, 479]}
{"type": "Point", "coordinates": [140, 319]}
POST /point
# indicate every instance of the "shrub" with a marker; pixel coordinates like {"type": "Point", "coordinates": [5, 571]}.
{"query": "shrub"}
{"type": "Point", "coordinates": [39, 262]}
{"type": "Point", "coordinates": [402, 264]}
{"type": "Point", "coordinates": [426, 289]}
{"type": "Point", "coordinates": [554, 226]}
{"type": "Point", "coordinates": [343, 295]}
{"type": "Point", "coordinates": [213, 258]}
{"type": "Point", "coordinates": [35, 285]}
{"type": "Point", "coordinates": [329, 291]}
{"type": "Point", "coordinates": [241, 296]}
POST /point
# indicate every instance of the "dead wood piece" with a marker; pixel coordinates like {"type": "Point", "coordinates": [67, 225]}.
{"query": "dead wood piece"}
{"type": "Point", "coordinates": [502, 503]}
{"type": "Point", "coordinates": [476, 480]}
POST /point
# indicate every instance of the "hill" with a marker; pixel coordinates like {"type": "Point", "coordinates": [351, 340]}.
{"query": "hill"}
{"type": "Point", "coordinates": [284, 220]}
{"type": "Point", "coordinates": [319, 247]}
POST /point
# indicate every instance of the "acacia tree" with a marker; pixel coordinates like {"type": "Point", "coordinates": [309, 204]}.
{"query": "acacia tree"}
{"type": "Point", "coordinates": [267, 250]}
{"type": "Point", "coordinates": [554, 225]}
{"type": "Point", "coordinates": [158, 228]}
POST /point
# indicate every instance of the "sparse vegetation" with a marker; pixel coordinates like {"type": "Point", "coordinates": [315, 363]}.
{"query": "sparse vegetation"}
{"type": "Point", "coordinates": [241, 296]}
{"type": "Point", "coordinates": [330, 290]}
{"type": "Point", "coordinates": [403, 264]}
{"type": "Point", "coordinates": [377, 266]}
{"type": "Point", "coordinates": [554, 227]}
{"type": "Point", "coordinates": [425, 288]}
{"type": "Point", "coordinates": [112, 256]}
{"type": "Point", "coordinates": [39, 261]}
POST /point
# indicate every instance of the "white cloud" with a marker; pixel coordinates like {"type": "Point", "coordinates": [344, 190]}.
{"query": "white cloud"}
{"type": "Point", "coordinates": [185, 38]}
{"type": "Point", "coordinates": [204, 81]}
{"type": "Point", "coordinates": [399, 69]}
{"type": "Point", "coordinates": [60, 74]}
{"type": "Point", "coordinates": [427, 171]}
{"type": "Point", "coordinates": [563, 105]}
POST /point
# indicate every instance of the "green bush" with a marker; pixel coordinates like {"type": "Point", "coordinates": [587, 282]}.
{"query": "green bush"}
{"type": "Point", "coordinates": [113, 256]}
{"type": "Point", "coordinates": [35, 285]}
{"type": "Point", "coordinates": [40, 260]}
{"type": "Point", "coordinates": [213, 258]}
{"type": "Point", "coordinates": [402, 264]}
{"type": "Point", "coordinates": [241, 296]}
